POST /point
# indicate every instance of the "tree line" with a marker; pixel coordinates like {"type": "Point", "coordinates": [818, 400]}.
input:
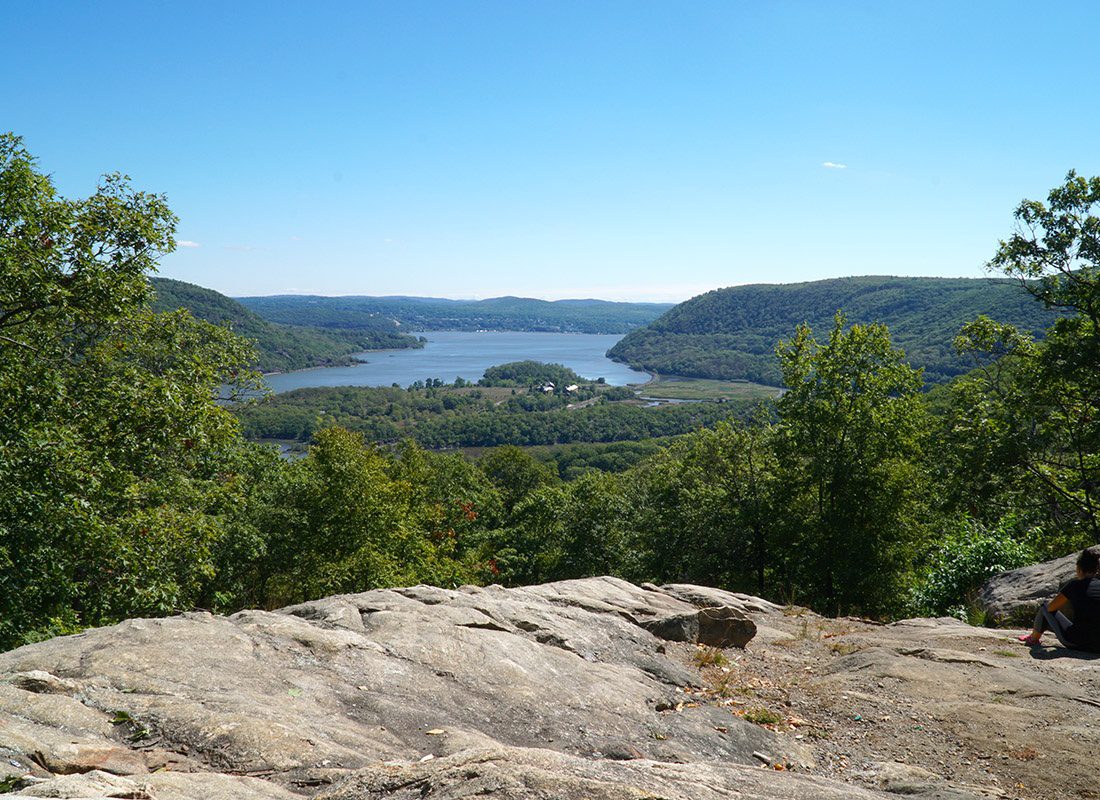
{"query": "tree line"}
{"type": "Point", "coordinates": [446, 417]}
{"type": "Point", "coordinates": [128, 489]}
{"type": "Point", "coordinates": [434, 314]}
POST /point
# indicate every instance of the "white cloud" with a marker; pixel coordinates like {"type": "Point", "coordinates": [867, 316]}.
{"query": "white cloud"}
{"type": "Point", "coordinates": [833, 165]}
{"type": "Point", "coordinates": [185, 243]}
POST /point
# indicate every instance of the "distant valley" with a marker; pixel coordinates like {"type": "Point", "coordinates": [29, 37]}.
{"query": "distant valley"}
{"type": "Point", "coordinates": [726, 334]}
{"type": "Point", "coordinates": [299, 331]}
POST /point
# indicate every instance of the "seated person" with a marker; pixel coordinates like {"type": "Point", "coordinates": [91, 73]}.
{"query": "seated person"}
{"type": "Point", "coordinates": [1074, 614]}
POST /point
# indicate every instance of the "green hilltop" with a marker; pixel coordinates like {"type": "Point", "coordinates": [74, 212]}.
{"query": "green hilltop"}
{"type": "Point", "coordinates": [279, 347]}
{"type": "Point", "coordinates": [731, 333]}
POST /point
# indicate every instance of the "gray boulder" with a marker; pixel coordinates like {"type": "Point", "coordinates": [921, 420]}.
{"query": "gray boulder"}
{"type": "Point", "coordinates": [1013, 597]}
{"type": "Point", "coordinates": [721, 626]}
{"type": "Point", "coordinates": [724, 626]}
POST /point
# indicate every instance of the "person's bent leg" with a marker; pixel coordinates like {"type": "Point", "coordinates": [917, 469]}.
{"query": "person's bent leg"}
{"type": "Point", "coordinates": [1057, 623]}
{"type": "Point", "coordinates": [1037, 627]}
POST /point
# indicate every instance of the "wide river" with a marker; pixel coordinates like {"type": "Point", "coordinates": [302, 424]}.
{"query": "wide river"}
{"type": "Point", "coordinates": [466, 354]}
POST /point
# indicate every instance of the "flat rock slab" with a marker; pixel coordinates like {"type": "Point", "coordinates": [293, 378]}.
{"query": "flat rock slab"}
{"type": "Point", "coordinates": [972, 707]}
{"type": "Point", "coordinates": [557, 691]}
{"type": "Point", "coordinates": [301, 695]}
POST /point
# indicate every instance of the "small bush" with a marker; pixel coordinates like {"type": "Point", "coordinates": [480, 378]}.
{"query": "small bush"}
{"type": "Point", "coordinates": [967, 557]}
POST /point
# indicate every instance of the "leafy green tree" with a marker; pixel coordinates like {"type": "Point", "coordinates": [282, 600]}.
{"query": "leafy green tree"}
{"type": "Point", "coordinates": [1021, 435]}
{"type": "Point", "coordinates": [1053, 405]}
{"type": "Point", "coordinates": [849, 474]}
{"type": "Point", "coordinates": [570, 531]}
{"type": "Point", "coordinates": [455, 508]}
{"type": "Point", "coordinates": [985, 430]}
{"type": "Point", "coordinates": [706, 508]}
{"type": "Point", "coordinates": [70, 267]}
{"type": "Point", "coordinates": [121, 471]}
{"type": "Point", "coordinates": [339, 524]}
{"type": "Point", "coordinates": [515, 473]}
{"type": "Point", "coordinates": [594, 524]}
{"type": "Point", "coordinates": [350, 517]}
{"type": "Point", "coordinates": [530, 547]}
{"type": "Point", "coordinates": [1055, 250]}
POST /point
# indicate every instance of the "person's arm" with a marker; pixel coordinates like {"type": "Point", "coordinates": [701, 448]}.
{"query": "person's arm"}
{"type": "Point", "coordinates": [1057, 603]}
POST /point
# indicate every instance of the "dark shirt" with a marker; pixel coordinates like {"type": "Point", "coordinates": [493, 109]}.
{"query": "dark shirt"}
{"type": "Point", "coordinates": [1084, 595]}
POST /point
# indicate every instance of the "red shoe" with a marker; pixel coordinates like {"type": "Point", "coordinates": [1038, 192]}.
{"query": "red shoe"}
{"type": "Point", "coordinates": [1026, 639]}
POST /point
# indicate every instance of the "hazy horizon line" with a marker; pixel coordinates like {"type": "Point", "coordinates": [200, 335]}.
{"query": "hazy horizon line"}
{"type": "Point", "coordinates": [612, 295]}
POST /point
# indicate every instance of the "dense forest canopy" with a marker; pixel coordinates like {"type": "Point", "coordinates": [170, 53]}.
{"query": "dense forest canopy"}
{"type": "Point", "coordinates": [279, 347]}
{"type": "Point", "coordinates": [447, 417]}
{"type": "Point", "coordinates": [731, 333]}
{"type": "Point", "coordinates": [128, 489]}
{"type": "Point", "coordinates": [434, 314]}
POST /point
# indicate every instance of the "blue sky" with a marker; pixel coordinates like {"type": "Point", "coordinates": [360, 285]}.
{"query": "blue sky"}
{"type": "Point", "coordinates": [623, 150]}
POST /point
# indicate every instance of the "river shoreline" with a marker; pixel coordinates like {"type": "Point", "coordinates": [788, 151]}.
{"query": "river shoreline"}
{"type": "Point", "coordinates": [448, 355]}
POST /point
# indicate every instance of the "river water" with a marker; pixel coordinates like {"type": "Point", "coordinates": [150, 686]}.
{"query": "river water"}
{"type": "Point", "coordinates": [466, 354]}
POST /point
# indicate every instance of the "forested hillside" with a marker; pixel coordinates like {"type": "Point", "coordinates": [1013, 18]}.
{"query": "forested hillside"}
{"type": "Point", "coordinates": [279, 347]}
{"type": "Point", "coordinates": [434, 314]}
{"type": "Point", "coordinates": [732, 333]}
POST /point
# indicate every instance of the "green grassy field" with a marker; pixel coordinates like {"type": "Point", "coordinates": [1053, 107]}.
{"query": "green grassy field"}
{"type": "Point", "coordinates": [678, 388]}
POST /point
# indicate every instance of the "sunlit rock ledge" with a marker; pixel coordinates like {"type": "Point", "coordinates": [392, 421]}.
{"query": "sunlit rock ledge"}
{"type": "Point", "coordinates": [592, 688]}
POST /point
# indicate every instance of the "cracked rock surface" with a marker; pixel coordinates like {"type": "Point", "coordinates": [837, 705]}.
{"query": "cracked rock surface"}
{"type": "Point", "coordinates": [554, 691]}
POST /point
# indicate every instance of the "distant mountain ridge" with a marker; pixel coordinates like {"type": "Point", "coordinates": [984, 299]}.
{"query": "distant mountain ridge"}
{"type": "Point", "coordinates": [279, 347]}
{"type": "Point", "coordinates": [731, 333]}
{"type": "Point", "coordinates": [431, 313]}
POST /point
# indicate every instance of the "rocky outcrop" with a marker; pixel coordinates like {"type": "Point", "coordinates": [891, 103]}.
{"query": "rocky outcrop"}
{"type": "Point", "coordinates": [557, 691]}
{"type": "Point", "coordinates": [1014, 596]}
